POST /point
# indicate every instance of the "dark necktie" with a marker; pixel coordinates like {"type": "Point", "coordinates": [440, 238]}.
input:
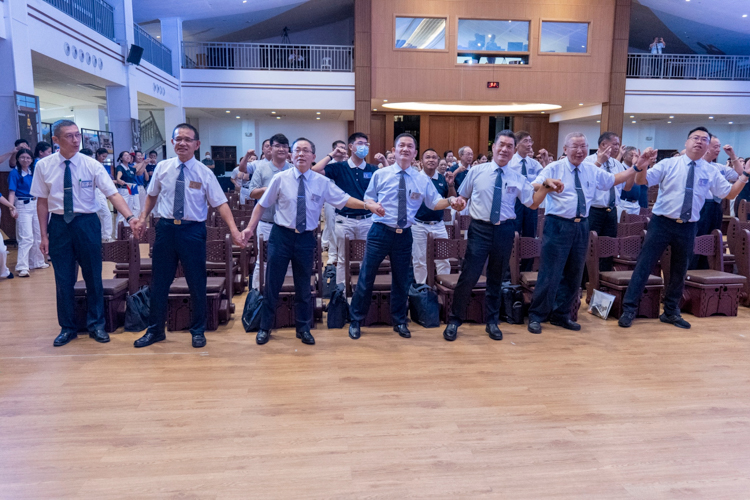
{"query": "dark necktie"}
{"type": "Point", "coordinates": [178, 212]}
{"type": "Point", "coordinates": [68, 214]}
{"type": "Point", "coordinates": [687, 204]}
{"type": "Point", "coordinates": [497, 198]}
{"type": "Point", "coordinates": [581, 208]}
{"type": "Point", "coordinates": [301, 206]}
{"type": "Point", "coordinates": [523, 167]}
{"type": "Point", "coordinates": [612, 194]}
{"type": "Point", "coordinates": [402, 200]}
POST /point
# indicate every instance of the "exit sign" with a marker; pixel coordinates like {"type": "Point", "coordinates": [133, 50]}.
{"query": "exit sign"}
{"type": "Point", "coordinates": [493, 85]}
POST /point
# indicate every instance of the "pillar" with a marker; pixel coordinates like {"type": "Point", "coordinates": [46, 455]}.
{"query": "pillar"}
{"type": "Point", "coordinates": [614, 109]}
{"type": "Point", "coordinates": [363, 65]}
{"type": "Point", "coordinates": [171, 37]}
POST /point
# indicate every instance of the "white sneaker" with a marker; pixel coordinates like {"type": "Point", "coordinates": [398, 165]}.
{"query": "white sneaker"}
{"type": "Point", "coordinates": [43, 266]}
{"type": "Point", "coordinates": [23, 274]}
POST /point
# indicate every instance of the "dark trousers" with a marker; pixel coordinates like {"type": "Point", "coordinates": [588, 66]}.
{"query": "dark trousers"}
{"type": "Point", "coordinates": [605, 224]}
{"type": "Point", "coordinates": [185, 243]}
{"type": "Point", "coordinates": [382, 241]}
{"type": "Point", "coordinates": [526, 224]}
{"type": "Point", "coordinates": [663, 232]}
{"type": "Point", "coordinates": [79, 242]}
{"type": "Point", "coordinates": [564, 246]}
{"type": "Point", "coordinates": [485, 241]}
{"type": "Point", "coordinates": [711, 218]}
{"type": "Point", "coordinates": [286, 245]}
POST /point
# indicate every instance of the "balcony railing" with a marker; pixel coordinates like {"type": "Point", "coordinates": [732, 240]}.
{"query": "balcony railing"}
{"type": "Point", "coordinates": [215, 55]}
{"type": "Point", "coordinates": [96, 14]}
{"type": "Point", "coordinates": [153, 50]}
{"type": "Point", "coordinates": [688, 67]}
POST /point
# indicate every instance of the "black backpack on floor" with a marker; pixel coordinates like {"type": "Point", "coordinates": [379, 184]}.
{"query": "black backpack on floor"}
{"type": "Point", "coordinates": [251, 311]}
{"type": "Point", "coordinates": [424, 308]}
{"type": "Point", "coordinates": [338, 308]}
{"type": "Point", "coordinates": [511, 304]}
{"type": "Point", "coordinates": [137, 309]}
{"type": "Point", "coordinates": [329, 281]}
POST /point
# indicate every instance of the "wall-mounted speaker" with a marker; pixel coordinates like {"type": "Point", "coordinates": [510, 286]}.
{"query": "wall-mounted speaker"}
{"type": "Point", "coordinates": [135, 54]}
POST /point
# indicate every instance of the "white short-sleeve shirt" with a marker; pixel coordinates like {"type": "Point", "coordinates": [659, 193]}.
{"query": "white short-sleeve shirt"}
{"type": "Point", "coordinates": [201, 189]}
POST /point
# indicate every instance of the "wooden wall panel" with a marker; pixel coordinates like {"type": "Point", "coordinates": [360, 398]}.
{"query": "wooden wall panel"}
{"type": "Point", "coordinates": [614, 107]}
{"type": "Point", "coordinates": [377, 136]}
{"type": "Point", "coordinates": [466, 133]}
{"type": "Point", "coordinates": [440, 133]}
{"type": "Point", "coordinates": [362, 64]}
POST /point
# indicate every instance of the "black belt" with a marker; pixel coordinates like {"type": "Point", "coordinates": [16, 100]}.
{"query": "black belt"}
{"type": "Point", "coordinates": [357, 217]}
{"type": "Point", "coordinates": [429, 222]}
{"type": "Point", "coordinates": [606, 209]}
{"type": "Point", "coordinates": [488, 223]}
{"type": "Point", "coordinates": [26, 201]}
{"type": "Point", "coordinates": [293, 230]}
{"type": "Point", "coordinates": [181, 222]}
{"type": "Point", "coordinates": [576, 219]}
{"type": "Point", "coordinates": [397, 230]}
{"type": "Point", "coordinates": [678, 221]}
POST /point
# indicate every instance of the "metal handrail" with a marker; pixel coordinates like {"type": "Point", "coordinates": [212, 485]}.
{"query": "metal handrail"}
{"type": "Point", "coordinates": [267, 56]}
{"type": "Point", "coordinates": [153, 51]}
{"type": "Point", "coordinates": [688, 66]}
{"type": "Point", "coordinates": [96, 14]}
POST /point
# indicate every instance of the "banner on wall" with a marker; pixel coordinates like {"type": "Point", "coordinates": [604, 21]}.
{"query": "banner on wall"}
{"type": "Point", "coordinates": [29, 123]}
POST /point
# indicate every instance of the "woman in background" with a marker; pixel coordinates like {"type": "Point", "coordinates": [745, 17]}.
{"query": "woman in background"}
{"type": "Point", "coordinates": [126, 185]}
{"type": "Point", "coordinates": [27, 223]}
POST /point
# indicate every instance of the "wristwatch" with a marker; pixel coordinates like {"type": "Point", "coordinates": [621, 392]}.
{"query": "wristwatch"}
{"type": "Point", "coordinates": [746, 174]}
{"type": "Point", "coordinates": [129, 218]}
{"type": "Point", "coordinates": [635, 167]}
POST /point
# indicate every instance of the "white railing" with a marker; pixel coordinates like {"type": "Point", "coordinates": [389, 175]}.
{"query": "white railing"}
{"type": "Point", "coordinates": [688, 67]}
{"type": "Point", "coordinates": [290, 57]}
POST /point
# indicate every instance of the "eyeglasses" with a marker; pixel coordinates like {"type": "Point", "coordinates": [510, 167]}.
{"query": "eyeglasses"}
{"type": "Point", "coordinates": [700, 138]}
{"type": "Point", "coordinates": [302, 151]}
{"type": "Point", "coordinates": [70, 137]}
{"type": "Point", "coordinates": [185, 140]}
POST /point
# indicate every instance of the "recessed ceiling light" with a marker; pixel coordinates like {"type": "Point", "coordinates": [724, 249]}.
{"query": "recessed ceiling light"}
{"type": "Point", "coordinates": [710, 117]}
{"type": "Point", "coordinates": [580, 104]}
{"type": "Point", "coordinates": [542, 112]}
{"type": "Point", "coordinates": [237, 117]}
{"type": "Point", "coordinates": [467, 108]}
{"type": "Point", "coordinates": [385, 100]}
{"type": "Point", "coordinates": [244, 1]}
{"type": "Point", "coordinates": [669, 122]}
{"type": "Point", "coordinates": [228, 111]}
{"type": "Point", "coordinates": [318, 118]}
{"type": "Point", "coordinates": [731, 123]}
{"type": "Point", "coordinates": [273, 112]}
{"type": "Point", "coordinates": [317, 113]}
{"type": "Point", "coordinates": [631, 116]}
{"type": "Point", "coordinates": [633, 121]}
{"type": "Point", "coordinates": [671, 116]}
{"type": "Point", "coordinates": [374, 109]}
{"type": "Point", "coordinates": [744, 15]}
{"type": "Point", "coordinates": [158, 36]}
{"type": "Point", "coordinates": [278, 118]}
{"type": "Point", "coordinates": [598, 121]}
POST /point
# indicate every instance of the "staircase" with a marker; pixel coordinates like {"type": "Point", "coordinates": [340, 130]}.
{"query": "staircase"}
{"type": "Point", "coordinates": [151, 137]}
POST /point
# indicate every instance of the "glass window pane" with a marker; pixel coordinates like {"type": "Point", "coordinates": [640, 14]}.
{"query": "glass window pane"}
{"type": "Point", "coordinates": [564, 37]}
{"type": "Point", "coordinates": [483, 35]}
{"type": "Point", "coordinates": [420, 33]}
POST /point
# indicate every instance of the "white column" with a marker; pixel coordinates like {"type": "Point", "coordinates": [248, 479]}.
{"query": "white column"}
{"type": "Point", "coordinates": [122, 106]}
{"type": "Point", "coordinates": [171, 37]}
{"type": "Point", "coordinates": [90, 117]}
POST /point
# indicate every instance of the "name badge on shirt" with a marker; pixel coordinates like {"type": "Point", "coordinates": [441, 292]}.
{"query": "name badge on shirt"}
{"type": "Point", "coordinates": [441, 184]}
{"type": "Point", "coordinates": [195, 185]}
{"type": "Point", "coordinates": [367, 175]}
{"type": "Point", "coordinates": [415, 196]}
{"type": "Point", "coordinates": [703, 182]}
{"type": "Point", "coordinates": [315, 198]}
{"type": "Point", "coordinates": [87, 184]}
{"type": "Point", "coordinates": [511, 189]}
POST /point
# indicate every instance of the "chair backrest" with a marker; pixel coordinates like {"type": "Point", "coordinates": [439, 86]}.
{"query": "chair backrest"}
{"type": "Point", "coordinates": [440, 249]}
{"type": "Point", "coordinates": [653, 193]}
{"type": "Point", "coordinates": [607, 246]}
{"type": "Point", "coordinates": [354, 251]}
{"type": "Point", "coordinates": [447, 215]}
{"type": "Point", "coordinates": [736, 226]}
{"type": "Point", "coordinates": [645, 211]}
{"type": "Point", "coordinates": [742, 259]}
{"type": "Point", "coordinates": [540, 222]}
{"type": "Point", "coordinates": [631, 218]}
{"type": "Point", "coordinates": [631, 228]}
{"type": "Point", "coordinates": [742, 209]}
{"type": "Point", "coordinates": [710, 245]}
{"type": "Point", "coordinates": [221, 251]}
{"type": "Point", "coordinates": [524, 247]}
{"type": "Point", "coordinates": [451, 230]}
{"type": "Point", "coordinates": [463, 222]}
{"type": "Point", "coordinates": [125, 252]}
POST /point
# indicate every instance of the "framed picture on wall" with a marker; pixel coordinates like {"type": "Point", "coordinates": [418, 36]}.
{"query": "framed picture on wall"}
{"type": "Point", "coordinates": [90, 139]}
{"type": "Point", "coordinates": [47, 132]}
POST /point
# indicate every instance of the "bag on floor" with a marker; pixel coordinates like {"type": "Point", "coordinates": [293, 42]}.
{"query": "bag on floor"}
{"type": "Point", "coordinates": [424, 308]}
{"type": "Point", "coordinates": [251, 311]}
{"type": "Point", "coordinates": [137, 309]}
{"type": "Point", "coordinates": [329, 281]}
{"type": "Point", "coordinates": [511, 304]}
{"type": "Point", "coordinates": [338, 308]}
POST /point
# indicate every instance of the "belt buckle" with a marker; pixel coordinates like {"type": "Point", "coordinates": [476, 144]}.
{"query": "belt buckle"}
{"type": "Point", "coordinates": [679, 221]}
{"type": "Point", "coordinates": [609, 209]}
{"type": "Point", "coordinates": [577, 219]}
{"type": "Point", "coordinates": [177, 222]}
{"type": "Point", "coordinates": [296, 231]}
{"type": "Point", "coordinates": [399, 230]}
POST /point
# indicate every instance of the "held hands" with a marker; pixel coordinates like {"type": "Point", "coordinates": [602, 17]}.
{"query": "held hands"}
{"type": "Point", "coordinates": [14, 212]}
{"type": "Point", "coordinates": [375, 207]}
{"type": "Point", "coordinates": [555, 185]}
{"type": "Point", "coordinates": [238, 238]}
{"type": "Point", "coordinates": [138, 227]}
{"type": "Point", "coordinates": [458, 203]}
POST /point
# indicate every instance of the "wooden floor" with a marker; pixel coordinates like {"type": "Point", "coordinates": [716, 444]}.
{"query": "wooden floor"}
{"type": "Point", "coordinates": [649, 412]}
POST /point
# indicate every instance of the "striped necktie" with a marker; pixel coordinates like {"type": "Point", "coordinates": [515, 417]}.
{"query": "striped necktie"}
{"type": "Point", "coordinates": [178, 212]}
{"type": "Point", "coordinates": [687, 203]}
{"type": "Point", "coordinates": [68, 214]}
{"type": "Point", "coordinates": [301, 206]}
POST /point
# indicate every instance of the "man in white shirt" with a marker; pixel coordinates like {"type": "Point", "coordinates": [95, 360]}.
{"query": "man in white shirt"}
{"type": "Point", "coordinates": [65, 185]}
{"type": "Point", "coordinates": [181, 190]}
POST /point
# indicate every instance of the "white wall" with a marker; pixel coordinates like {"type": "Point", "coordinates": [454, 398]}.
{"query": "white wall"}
{"type": "Point", "coordinates": [321, 132]}
{"type": "Point", "coordinates": [338, 33]}
{"type": "Point", "coordinates": [590, 130]}
{"type": "Point", "coordinates": [710, 97]}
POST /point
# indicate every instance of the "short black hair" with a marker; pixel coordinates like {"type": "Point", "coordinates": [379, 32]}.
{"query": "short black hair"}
{"type": "Point", "coordinates": [60, 124]}
{"type": "Point", "coordinates": [101, 151]}
{"type": "Point", "coordinates": [19, 142]}
{"type": "Point", "coordinates": [335, 143]}
{"type": "Point", "coordinates": [405, 134]}
{"type": "Point", "coordinates": [702, 129]}
{"type": "Point", "coordinates": [153, 153]}
{"type": "Point", "coordinates": [87, 152]}
{"type": "Point", "coordinates": [506, 133]}
{"type": "Point", "coordinates": [279, 139]}
{"type": "Point", "coordinates": [606, 136]}
{"type": "Point", "coordinates": [312, 144]}
{"type": "Point", "coordinates": [446, 152]}
{"type": "Point", "coordinates": [357, 135]}
{"type": "Point", "coordinates": [521, 135]}
{"type": "Point", "coordinates": [264, 143]}
{"type": "Point", "coordinates": [189, 127]}
{"type": "Point", "coordinates": [430, 149]}
{"type": "Point", "coordinates": [41, 147]}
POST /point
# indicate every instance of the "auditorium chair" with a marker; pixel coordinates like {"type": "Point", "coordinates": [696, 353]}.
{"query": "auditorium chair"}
{"type": "Point", "coordinates": [616, 282]}
{"type": "Point", "coordinates": [726, 215]}
{"type": "Point", "coordinates": [240, 257]}
{"type": "Point", "coordinates": [630, 218]}
{"type": "Point", "coordinates": [218, 291]}
{"type": "Point", "coordinates": [709, 291]}
{"type": "Point", "coordinates": [116, 289]}
{"type": "Point", "coordinates": [285, 310]}
{"type": "Point", "coordinates": [121, 268]}
{"type": "Point", "coordinates": [380, 307]}
{"type": "Point", "coordinates": [742, 253]}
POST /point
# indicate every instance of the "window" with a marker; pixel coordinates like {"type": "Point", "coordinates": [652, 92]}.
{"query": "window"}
{"type": "Point", "coordinates": [482, 41]}
{"type": "Point", "coordinates": [425, 33]}
{"type": "Point", "coordinates": [564, 38]}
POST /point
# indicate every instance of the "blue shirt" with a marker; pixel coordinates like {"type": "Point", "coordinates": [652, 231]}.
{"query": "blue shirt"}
{"type": "Point", "coordinates": [441, 186]}
{"type": "Point", "coordinates": [351, 179]}
{"type": "Point", "coordinates": [20, 183]}
{"type": "Point", "coordinates": [601, 198]}
{"type": "Point", "coordinates": [671, 176]}
{"type": "Point", "coordinates": [384, 189]}
{"type": "Point", "coordinates": [634, 194]}
{"type": "Point", "coordinates": [533, 167]}
{"type": "Point", "coordinates": [459, 176]}
{"type": "Point", "coordinates": [565, 204]}
{"type": "Point", "coordinates": [479, 188]}
{"type": "Point", "coordinates": [729, 174]}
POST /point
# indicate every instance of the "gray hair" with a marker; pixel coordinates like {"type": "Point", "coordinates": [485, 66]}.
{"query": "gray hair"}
{"type": "Point", "coordinates": [60, 124]}
{"type": "Point", "coordinates": [575, 135]}
{"type": "Point", "coordinates": [462, 149]}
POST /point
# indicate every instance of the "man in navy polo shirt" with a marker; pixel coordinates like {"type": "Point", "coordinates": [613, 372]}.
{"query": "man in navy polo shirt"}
{"type": "Point", "coordinates": [353, 177]}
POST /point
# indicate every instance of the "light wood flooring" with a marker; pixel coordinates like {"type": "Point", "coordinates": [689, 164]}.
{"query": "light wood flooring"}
{"type": "Point", "coordinates": [649, 412]}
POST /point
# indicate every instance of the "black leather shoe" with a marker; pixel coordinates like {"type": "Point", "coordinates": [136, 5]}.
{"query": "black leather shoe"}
{"type": "Point", "coordinates": [100, 336]}
{"type": "Point", "coordinates": [535, 327]}
{"type": "Point", "coordinates": [494, 331]}
{"type": "Point", "coordinates": [675, 320]}
{"type": "Point", "coordinates": [567, 324]}
{"type": "Point", "coordinates": [64, 338]}
{"type": "Point", "coordinates": [199, 341]}
{"type": "Point", "coordinates": [306, 337]}
{"type": "Point", "coordinates": [354, 332]}
{"type": "Point", "coordinates": [450, 332]}
{"type": "Point", "coordinates": [402, 330]}
{"type": "Point", "coordinates": [262, 337]}
{"type": "Point", "coordinates": [149, 339]}
{"type": "Point", "coordinates": [626, 319]}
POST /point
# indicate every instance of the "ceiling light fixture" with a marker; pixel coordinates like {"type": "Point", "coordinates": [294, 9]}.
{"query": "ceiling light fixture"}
{"type": "Point", "coordinates": [710, 117]}
{"type": "Point", "coordinates": [598, 121]}
{"type": "Point", "coordinates": [273, 112]}
{"type": "Point", "coordinates": [631, 116]}
{"type": "Point", "coordinates": [671, 116]}
{"type": "Point", "coordinates": [228, 111]}
{"type": "Point", "coordinates": [580, 104]}
{"type": "Point", "coordinates": [669, 122]}
{"type": "Point", "coordinates": [278, 118]}
{"type": "Point", "coordinates": [385, 100]}
{"type": "Point", "coordinates": [633, 121]}
{"type": "Point", "coordinates": [238, 117]}
{"type": "Point", "coordinates": [318, 118]}
{"type": "Point", "coordinates": [470, 108]}
{"type": "Point", "coordinates": [744, 15]}
{"type": "Point", "coordinates": [317, 113]}
{"type": "Point", "coordinates": [731, 123]}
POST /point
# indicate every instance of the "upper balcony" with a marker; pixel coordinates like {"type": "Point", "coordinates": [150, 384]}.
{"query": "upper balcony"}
{"type": "Point", "coordinates": [153, 50]}
{"type": "Point", "coordinates": [95, 14]}
{"type": "Point", "coordinates": [689, 67]}
{"type": "Point", "coordinates": [266, 56]}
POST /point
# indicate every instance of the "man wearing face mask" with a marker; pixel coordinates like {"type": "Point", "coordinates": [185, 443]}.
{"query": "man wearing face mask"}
{"type": "Point", "coordinates": [353, 177]}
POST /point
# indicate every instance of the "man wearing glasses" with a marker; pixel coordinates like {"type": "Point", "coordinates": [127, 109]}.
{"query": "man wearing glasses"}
{"type": "Point", "coordinates": [298, 194]}
{"type": "Point", "coordinates": [685, 183]}
{"type": "Point", "coordinates": [65, 185]}
{"type": "Point", "coordinates": [353, 177]}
